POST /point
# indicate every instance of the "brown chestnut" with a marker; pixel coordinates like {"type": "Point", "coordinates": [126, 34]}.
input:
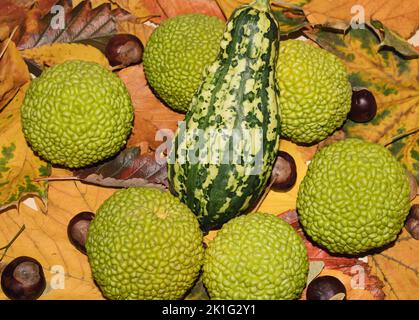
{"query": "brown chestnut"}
{"type": "Point", "coordinates": [23, 279]}
{"type": "Point", "coordinates": [412, 222]}
{"type": "Point", "coordinates": [124, 49]}
{"type": "Point", "coordinates": [284, 173]}
{"type": "Point", "coordinates": [77, 229]}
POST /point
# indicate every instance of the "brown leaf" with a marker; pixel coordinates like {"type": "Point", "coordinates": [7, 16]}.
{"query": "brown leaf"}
{"type": "Point", "coordinates": [82, 24]}
{"type": "Point", "coordinates": [130, 168]}
{"type": "Point", "coordinates": [13, 72]}
{"type": "Point", "coordinates": [390, 12]}
{"type": "Point", "coordinates": [151, 114]}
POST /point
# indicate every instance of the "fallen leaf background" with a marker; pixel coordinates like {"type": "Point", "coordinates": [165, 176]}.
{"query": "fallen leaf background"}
{"type": "Point", "coordinates": [13, 71]}
{"type": "Point", "coordinates": [392, 273]}
{"type": "Point", "coordinates": [19, 166]}
{"type": "Point", "coordinates": [398, 15]}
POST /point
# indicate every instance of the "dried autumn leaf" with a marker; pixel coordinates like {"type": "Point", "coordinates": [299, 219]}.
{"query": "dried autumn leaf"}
{"type": "Point", "coordinates": [143, 10]}
{"type": "Point", "coordinates": [288, 13]}
{"type": "Point", "coordinates": [67, 271]}
{"type": "Point", "coordinates": [19, 166]}
{"type": "Point", "coordinates": [12, 14]}
{"type": "Point", "coordinates": [394, 82]}
{"type": "Point", "coordinates": [130, 168]}
{"type": "Point", "coordinates": [398, 268]}
{"type": "Point", "coordinates": [130, 24]}
{"type": "Point", "coordinates": [388, 12]}
{"type": "Point", "coordinates": [13, 72]}
{"type": "Point", "coordinates": [151, 114]}
{"type": "Point", "coordinates": [355, 274]}
{"type": "Point", "coordinates": [173, 8]}
{"type": "Point", "coordinates": [81, 24]}
{"type": "Point", "coordinates": [50, 55]}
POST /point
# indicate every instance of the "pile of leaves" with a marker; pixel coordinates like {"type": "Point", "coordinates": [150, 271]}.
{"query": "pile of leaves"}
{"type": "Point", "coordinates": [375, 51]}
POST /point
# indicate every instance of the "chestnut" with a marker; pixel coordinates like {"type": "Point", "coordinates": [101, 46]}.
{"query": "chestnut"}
{"type": "Point", "coordinates": [324, 288]}
{"type": "Point", "coordinates": [23, 279]}
{"type": "Point", "coordinates": [412, 222]}
{"type": "Point", "coordinates": [124, 49]}
{"type": "Point", "coordinates": [363, 105]}
{"type": "Point", "coordinates": [284, 173]}
{"type": "Point", "coordinates": [77, 229]}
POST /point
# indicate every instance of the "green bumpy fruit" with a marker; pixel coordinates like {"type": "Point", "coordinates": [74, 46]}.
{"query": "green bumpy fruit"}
{"type": "Point", "coordinates": [256, 256]}
{"type": "Point", "coordinates": [354, 198]}
{"type": "Point", "coordinates": [315, 93]}
{"type": "Point", "coordinates": [76, 114]}
{"type": "Point", "coordinates": [144, 244]}
{"type": "Point", "coordinates": [176, 55]}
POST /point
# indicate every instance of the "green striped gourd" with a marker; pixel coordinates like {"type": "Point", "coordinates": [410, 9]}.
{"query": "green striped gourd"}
{"type": "Point", "coordinates": [239, 95]}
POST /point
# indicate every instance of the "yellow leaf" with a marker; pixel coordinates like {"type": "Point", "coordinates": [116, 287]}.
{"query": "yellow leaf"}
{"type": "Point", "coordinates": [279, 202]}
{"type": "Point", "coordinates": [390, 12]}
{"type": "Point", "coordinates": [18, 164]}
{"type": "Point", "coordinates": [57, 53]}
{"type": "Point", "coordinates": [228, 6]}
{"type": "Point", "coordinates": [13, 72]}
{"type": "Point", "coordinates": [398, 268]}
{"type": "Point", "coordinates": [142, 9]}
{"type": "Point", "coordinates": [45, 239]}
{"type": "Point", "coordinates": [139, 29]}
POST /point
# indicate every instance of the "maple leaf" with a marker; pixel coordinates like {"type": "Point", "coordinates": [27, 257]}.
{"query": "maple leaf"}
{"type": "Point", "coordinates": [394, 82]}
{"type": "Point", "coordinates": [19, 166]}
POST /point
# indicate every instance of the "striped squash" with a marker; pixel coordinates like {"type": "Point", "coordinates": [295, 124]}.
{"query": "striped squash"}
{"type": "Point", "coordinates": [220, 179]}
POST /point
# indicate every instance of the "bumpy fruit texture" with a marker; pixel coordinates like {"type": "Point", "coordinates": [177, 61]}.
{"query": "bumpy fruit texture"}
{"type": "Point", "coordinates": [144, 244]}
{"type": "Point", "coordinates": [256, 256]}
{"type": "Point", "coordinates": [77, 113]}
{"type": "Point", "coordinates": [176, 55]}
{"type": "Point", "coordinates": [355, 197]}
{"type": "Point", "coordinates": [315, 94]}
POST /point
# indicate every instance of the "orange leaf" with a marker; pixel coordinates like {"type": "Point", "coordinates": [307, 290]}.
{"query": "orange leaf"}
{"type": "Point", "coordinates": [390, 12]}
{"type": "Point", "coordinates": [173, 8]}
{"type": "Point", "coordinates": [150, 113]}
{"type": "Point", "coordinates": [13, 72]}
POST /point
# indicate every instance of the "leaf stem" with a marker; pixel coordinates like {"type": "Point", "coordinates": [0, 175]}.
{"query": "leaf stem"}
{"type": "Point", "coordinates": [7, 42]}
{"type": "Point", "coordinates": [400, 136]}
{"type": "Point", "coordinates": [6, 247]}
{"type": "Point", "coordinates": [265, 193]}
{"type": "Point", "coordinates": [52, 178]}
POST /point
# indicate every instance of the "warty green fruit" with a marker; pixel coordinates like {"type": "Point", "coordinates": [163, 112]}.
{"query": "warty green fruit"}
{"type": "Point", "coordinates": [76, 114]}
{"type": "Point", "coordinates": [354, 197]}
{"type": "Point", "coordinates": [176, 55]}
{"type": "Point", "coordinates": [256, 256]}
{"type": "Point", "coordinates": [144, 244]}
{"type": "Point", "coordinates": [315, 93]}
